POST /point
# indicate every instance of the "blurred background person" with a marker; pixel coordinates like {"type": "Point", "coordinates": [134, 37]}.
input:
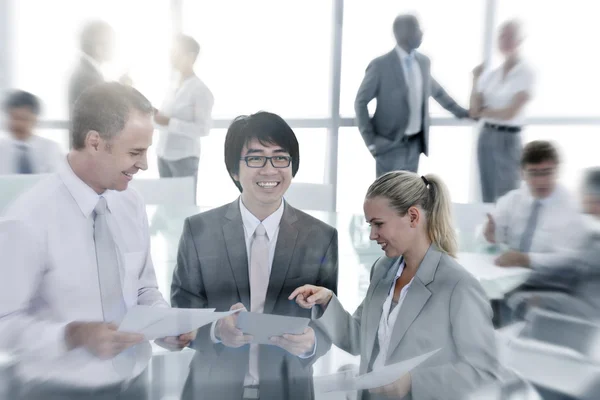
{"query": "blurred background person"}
{"type": "Point", "coordinates": [401, 82]}
{"type": "Point", "coordinates": [498, 98]}
{"type": "Point", "coordinates": [185, 115]}
{"type": "Point", "coordinates": [23, 152]}
{"type": "Point", "coordinates": [572, 289]}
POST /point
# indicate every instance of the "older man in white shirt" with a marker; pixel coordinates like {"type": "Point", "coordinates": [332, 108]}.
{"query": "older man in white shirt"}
{"type": "Point", "coordinates": [185, 115]}
{"type": "Point", "coordinates": [539, 222]}
{"type": "Point", "coordinates": [22, 152]}
{"type": "Point", "coordinates": [76, 256]}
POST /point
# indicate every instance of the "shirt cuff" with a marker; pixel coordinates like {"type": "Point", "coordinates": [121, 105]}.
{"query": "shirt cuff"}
{"type": "Point", "coordinates": [213, 337]}
{"type": "Point", "coordinates": [310, 354]}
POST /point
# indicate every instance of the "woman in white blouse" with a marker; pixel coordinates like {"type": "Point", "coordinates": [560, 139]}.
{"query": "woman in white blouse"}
{"type": "Point", "coordinates": [419, 300]}
{"type": "Point", "coordinates": [498, 98]}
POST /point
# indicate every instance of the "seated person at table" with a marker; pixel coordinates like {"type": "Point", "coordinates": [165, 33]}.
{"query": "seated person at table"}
{"type": "Point", "coordinates": [419, 300]}
{"type": "Point", "coordinates": [251, 254]}
{"type": "Point", "coordinates": [573, 289]}
{"type": "Point", "coordinates": [539, 222]}
{"type": "Point", "coordinates": [23, 152]}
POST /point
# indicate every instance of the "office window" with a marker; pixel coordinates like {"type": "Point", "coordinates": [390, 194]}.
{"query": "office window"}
{"type": "Point", "coordinates": [451, 154]}
{"type": "Point", "coordinates": [558, 44]}
{"type": "Point", "coordinates": [45, 35]}
{"type": "Point", "coordinates": [453, 32]}
{"type": "Point", "coordinates": [263, 55]}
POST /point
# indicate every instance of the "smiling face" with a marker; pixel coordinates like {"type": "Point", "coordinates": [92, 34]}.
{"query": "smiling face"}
{"type": "Point", "coordinates": [394, 233]}
{"type": "Point", "coordinates": [263, 187]}
{"type": "Point", "coordinates": [116, 161]}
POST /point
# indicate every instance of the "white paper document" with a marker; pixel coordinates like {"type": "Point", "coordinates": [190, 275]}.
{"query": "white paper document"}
{"type": "Point", "coordinates": [383, 376]}
{"type": "Point", "coordinates": [159, 322]}
{"type": "Point", "coordinates": [264, 326]}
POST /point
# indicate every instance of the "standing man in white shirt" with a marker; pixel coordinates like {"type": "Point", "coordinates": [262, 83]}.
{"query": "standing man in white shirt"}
{"type": "Point", "coordinates": [185, 116]}
{"type": "Point", "coordinates": [539, 222]}
{"type": "Point", "coordinates": [498, 97]}
{"type": "Point", "coordinates": [401, 82]}
{"type": "Point", "coordinates": [22, 152]}
{"type": "Point", "coordinates": [76, 255]}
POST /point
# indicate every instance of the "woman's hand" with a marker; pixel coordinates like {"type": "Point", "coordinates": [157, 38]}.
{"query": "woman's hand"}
{"type": "Point", "coordinates": [308, 296]}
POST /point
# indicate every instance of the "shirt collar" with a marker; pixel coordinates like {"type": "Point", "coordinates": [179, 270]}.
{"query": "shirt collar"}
{"type": "Point", "coordinates": [403, 54]}
{"type": "Point", "coordinates": [27, 142]}
{"type": "Point", "coordinates": [93, 62]}
{"type": "Point", "coordinates": [271, 223]}
{"type": "Point", "coordinates": [85, 197]}
{"type": "Point", "coordinates": [545, 201]}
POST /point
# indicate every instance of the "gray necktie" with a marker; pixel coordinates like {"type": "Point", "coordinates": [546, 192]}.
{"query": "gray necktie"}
{"type": "Point", "coordinates": [109, 278]}
{"type": "Point", "coordinates": [24, 160]}
{"type": "Point", "coordinates": [259, 282]}
{"type": "Point", "coordinates": [529, 231]}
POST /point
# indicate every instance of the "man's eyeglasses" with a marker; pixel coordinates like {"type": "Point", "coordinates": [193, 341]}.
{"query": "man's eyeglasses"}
{"type": "Point", "coordinates": [261, 161]}
{"type": "Point", "coordinates": [540, 173]}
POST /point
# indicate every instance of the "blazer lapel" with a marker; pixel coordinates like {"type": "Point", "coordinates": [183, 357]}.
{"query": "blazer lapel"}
{"type": "Point", "coordinates": [235, 242]}
{"type": "Point", "coordinates": [416, 297]}
{"type": "Point", "coordinates": [375, 308]}
{"type": "Point", "coordinates": [284, 251]}
{"type": "Point", "coordinates": [398, 69]}
{"type": "Point", "coordinates": [424, 73]}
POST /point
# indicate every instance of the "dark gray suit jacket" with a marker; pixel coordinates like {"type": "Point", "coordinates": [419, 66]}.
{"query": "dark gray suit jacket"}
{"type": "Point", "coordinates": [445, 307]}
{"type": "Point", "coordinates": [212, 272]}
{"type": "Point", "coordinates": [384, 81]}
{"type": "Point", "coordinates": [83, 77]}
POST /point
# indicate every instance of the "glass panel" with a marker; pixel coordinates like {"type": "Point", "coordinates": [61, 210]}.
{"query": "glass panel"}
{"type": "Point", "coordinates": [46, 51]}
{"type": "Point", "coordinates": [453, 46]}
{"type": "Point", "coordinates": [558, 47]}
{"type": "Point", "coordinates": [263, 54]}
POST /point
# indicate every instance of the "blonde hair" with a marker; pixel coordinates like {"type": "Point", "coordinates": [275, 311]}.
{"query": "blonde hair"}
{"type": "Point", "coordinates": [405, 189]}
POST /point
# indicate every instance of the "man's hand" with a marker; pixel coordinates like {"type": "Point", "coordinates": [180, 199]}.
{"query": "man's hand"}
{"type": "Point", "coordinates": [297, 345]}
{"type": "Point", "coordinates": [490, 229]}
{"type": "Point", "coordinates": [477, 71]}
{"type": "Point", "coordinates": [101, 339]}
{"type": "Point", "coordinates": [308, 296]}
{"type": "Point", "coordinates": [512, 259]}
{"type": "Point", "coordinates": [228, 333]}
{"type": "Point", "coordinates": [396, 390]}
{"type": "Point", "coordinates": [161, 119]}
{"type": "Point", "coordinates": [176, 343]}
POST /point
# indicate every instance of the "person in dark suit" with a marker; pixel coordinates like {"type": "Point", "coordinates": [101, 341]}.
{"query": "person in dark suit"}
{"type": "Point", "coordinates": [96, 44]}
{"type": "Point", "coordinates": [251, 254]}
{"type": "Point", "coordinates": [401, 82]}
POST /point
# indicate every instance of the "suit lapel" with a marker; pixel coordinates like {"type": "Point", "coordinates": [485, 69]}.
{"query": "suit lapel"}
{"type": "Point", "coordinates": [416, 297]}
{"type": "Point", "coordinates": [235, 242]}
{"type": "Point", "coordinates": [398, 69]}
{"type": "Point", "coordinates": [284, 251]}
{"type": "Point", "coordinates": [424, 73]}
{"type": "Point", "coordinates": [375, 308]}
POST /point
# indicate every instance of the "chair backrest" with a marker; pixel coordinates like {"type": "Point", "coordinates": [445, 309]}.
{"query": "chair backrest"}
{"type": "Point", "coordinates": [12, 186]}
{"type": "Point", "coordinates": [166, 191]}
{"type": "Point", "coordinates": [311, 196]}
{"type": "Point", "coordinates": [468, 219]}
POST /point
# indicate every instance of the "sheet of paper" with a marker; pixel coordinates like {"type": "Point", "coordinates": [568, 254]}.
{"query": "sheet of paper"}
{"type": "Point", "coordinates": [265, 326]}
{"type": "Point", "coordinates": [159, 322]}
{"type": "Point", "coordinates": [482, 266]}
{"type": "Point", "coordinates": [381, 377]}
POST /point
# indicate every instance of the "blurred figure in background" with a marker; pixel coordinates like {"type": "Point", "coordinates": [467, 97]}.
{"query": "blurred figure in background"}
{"type": "Point", "coordinates": [185, 115]}
{"type": "Point", "coordinates": [401, 82]}
{"type": "Point", "coordinates": [96, 45]}
{"type": "Point", "coordinates": [531, 221]}
{"type": "Point", "coordinates": [572, 289]}
{"type": "Point", "coordinates": [498, 97]}
{"type": "Point", "coordinates": [23, 152]}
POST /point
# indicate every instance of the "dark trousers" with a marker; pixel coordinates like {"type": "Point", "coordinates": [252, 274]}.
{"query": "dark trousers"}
{"type": "Point", "coordinates": [137, 389]}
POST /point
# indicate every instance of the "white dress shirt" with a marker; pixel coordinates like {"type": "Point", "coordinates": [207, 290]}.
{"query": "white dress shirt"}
{"type": "Point", "coordinates": [498, 91]}
{"type": "Point", "coordinates": [45, 155]}
{"type": "Point", "coordinates": [189, 108]}
{"type": "Point", "coordinates": [271, 224]}
{"type": "Point", "coordinates": [50, 278]}
{"type": "Point", "coordinates": [415, 120]}
{"type": "Point", "coordinates": [388, 319]}
{"type": "Point", "coordinates": [558, 229]}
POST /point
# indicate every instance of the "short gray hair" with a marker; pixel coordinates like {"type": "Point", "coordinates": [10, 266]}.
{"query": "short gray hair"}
{"type": "Point", "coordinates": [105, 108]}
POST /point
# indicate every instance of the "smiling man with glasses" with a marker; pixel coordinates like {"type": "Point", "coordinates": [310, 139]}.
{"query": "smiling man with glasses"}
{"type": "Point", "coordinates": [251, 254]}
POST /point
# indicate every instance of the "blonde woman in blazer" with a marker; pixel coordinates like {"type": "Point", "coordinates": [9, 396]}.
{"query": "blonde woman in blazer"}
{"type": "Point", "coordinates": [420, 299]}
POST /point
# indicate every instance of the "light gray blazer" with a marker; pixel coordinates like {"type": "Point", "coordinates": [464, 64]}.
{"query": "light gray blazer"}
{"type": "Point", "coordinates": [384, 80]}
{"type": "Point", "coordinates": [445, 307]}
